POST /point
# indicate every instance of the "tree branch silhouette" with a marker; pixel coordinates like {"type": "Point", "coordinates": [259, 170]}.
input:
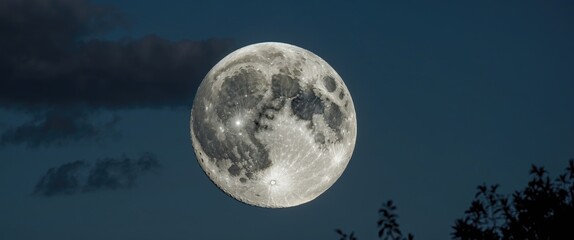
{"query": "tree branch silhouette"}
{"type": "Point", "coordinates": [387, 224]}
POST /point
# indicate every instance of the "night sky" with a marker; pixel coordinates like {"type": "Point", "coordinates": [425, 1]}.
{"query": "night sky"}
{"type": "Point", "coordinates": [95, 100]}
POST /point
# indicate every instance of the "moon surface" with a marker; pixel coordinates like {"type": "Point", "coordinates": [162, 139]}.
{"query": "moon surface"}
{"type": "Point", "coordinates": [273, 125]}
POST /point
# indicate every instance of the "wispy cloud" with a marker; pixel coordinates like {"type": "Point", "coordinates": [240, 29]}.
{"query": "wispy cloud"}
{"type": "Point", "coordinates": [104, 174]}
{"type": "Point", "coordinates": [59, 127]}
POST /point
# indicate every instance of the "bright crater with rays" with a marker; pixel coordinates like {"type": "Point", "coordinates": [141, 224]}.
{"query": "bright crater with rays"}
{"type": "Point", "coordinates": [273, 125]}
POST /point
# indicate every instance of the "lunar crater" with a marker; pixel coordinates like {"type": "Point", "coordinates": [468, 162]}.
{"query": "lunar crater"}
{"type": "Point", "coordinates": [329, 83]}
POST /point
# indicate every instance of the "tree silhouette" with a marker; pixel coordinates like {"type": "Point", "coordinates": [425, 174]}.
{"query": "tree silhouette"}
{"type": "Point", "coordinates": [387, 224]}
{"type": "Point", "coordinates": [542, 210]}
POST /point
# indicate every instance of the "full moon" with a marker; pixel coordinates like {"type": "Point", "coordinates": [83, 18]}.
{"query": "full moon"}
{"type": "Point", "coordinates": [273, 125]}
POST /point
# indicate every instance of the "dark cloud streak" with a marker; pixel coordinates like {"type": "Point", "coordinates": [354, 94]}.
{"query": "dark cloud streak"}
{"type": "Point", "coordinates": [59, 127]}
{"type": "Point", "coordinates": [105, 174]}
{"type": "Point", "coordinates": [149, 72]}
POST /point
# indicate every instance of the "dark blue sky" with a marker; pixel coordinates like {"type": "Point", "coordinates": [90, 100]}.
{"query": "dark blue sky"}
{"type": "Point", "coordinates": [448, 96]}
